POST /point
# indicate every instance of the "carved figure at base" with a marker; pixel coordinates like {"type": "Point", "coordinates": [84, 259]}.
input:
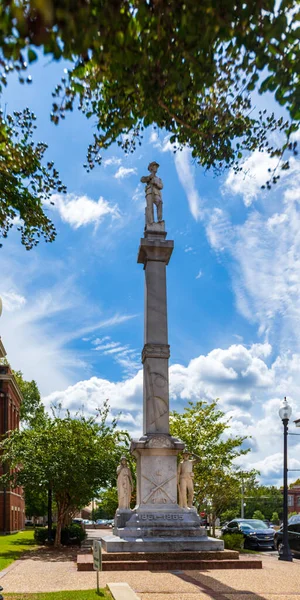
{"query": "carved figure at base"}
{"type": "Point", "coordinates": [186, 479]}
{"type": "Point", "coordinates": [124, 484]}
{"type": "Point", "coordinates": [153, 193]}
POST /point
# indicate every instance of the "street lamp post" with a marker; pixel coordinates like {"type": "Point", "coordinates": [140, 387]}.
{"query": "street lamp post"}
{"type": "Point", "coordinates": [285, 412]}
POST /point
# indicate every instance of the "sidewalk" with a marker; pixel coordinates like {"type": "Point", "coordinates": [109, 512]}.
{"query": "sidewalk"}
{"type": "Point", "coordinates": [46, 570]}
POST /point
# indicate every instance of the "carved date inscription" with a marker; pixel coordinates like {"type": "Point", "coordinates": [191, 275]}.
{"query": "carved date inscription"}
{"type": "Point", "coordinates": [166, 517]}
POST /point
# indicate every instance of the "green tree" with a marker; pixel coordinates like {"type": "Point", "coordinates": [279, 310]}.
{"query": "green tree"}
{"type": "Point", "coordinates": [204, 429]}
{"type": "Point", "coordinates": [275, 518]}
{"type": "Point", "coordinates": [258, 515]}
{"type": "Point", "coordinates": [229, 514]}
{"type": "Point", "coordinates": [191, 68]}
{"type": "Point", "coordinates": [107, 504]}
{"type": "Point", "coordinates": [74, 457]}
{"type": "Point", "coordinates": [32, 410]}
{"type": "Point", "coordinates": [36, 503]}
{"type": "Point", "coordinates": [26, 180]}
{"type": "Point", "coordinates": [267, 499]}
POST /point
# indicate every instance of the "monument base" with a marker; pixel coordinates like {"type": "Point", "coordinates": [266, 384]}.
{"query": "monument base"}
{"type": "Point", "coordinates": [112, 543]}
{"type": "Point", "coordinates": [159, 528]}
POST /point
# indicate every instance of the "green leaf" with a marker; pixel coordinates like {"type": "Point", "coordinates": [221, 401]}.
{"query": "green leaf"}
{"type": "Point", "coordinates": [32, 55]}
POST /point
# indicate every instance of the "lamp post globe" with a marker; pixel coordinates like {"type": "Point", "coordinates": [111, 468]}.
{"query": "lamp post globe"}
{"type": "Point", "coordinates": [285, 412]}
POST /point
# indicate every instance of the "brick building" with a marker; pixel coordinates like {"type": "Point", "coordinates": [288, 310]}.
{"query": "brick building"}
{"type": "Point", "coordinates": [294, 498]}
{"type": "Point", "coordinates": [12, 506]}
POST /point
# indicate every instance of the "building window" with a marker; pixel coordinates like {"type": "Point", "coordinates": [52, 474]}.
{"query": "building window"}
{"type": "Point", "coordinates": [298, 501]}
{"type": "Point", "coordinates": [290, 500]}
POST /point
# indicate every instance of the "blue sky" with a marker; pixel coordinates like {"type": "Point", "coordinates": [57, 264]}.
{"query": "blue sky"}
{"type": "Point", "coordinates": [73, 310]}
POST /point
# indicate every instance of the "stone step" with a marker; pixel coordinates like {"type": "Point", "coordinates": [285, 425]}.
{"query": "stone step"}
{"type": "Point", "coordinates": [85, 563]}
{"type": "Point", "coordinates": [208, 555]}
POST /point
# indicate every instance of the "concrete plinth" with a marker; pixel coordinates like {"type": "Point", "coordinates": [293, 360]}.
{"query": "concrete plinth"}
{"type": "Point", "coordinates": [112, 543]}
{"type": "Point", "coordinates": [160, 528]}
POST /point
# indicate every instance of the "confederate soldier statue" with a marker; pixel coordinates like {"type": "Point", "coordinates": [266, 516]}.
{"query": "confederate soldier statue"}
{"type": "Point", "coordinates": [186, 479]}
{"type": "Point", "coordinates": [153, 193]}
{"type": "Point", "coordinates": [124, 484]}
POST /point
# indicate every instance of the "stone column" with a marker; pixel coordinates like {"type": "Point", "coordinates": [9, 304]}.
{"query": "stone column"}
{"type": "Point", "coordinates": [155, 253]}
{"type": "Point", "coordinates": [156, 452]}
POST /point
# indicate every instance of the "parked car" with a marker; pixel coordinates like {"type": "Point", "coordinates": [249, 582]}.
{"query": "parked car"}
{"type": "Point", "coordinates": [88, 522]}
{"type": "Point", "coordinates": [293, 535]}
{"type": "Point", "coordinates": [224, 526]}
{"type": "Point", "coordinates": [110, 522]}
{"type": "Point", "coordinates": [256, 533]}
{"type": "Point", "coordinates": [101, 521]}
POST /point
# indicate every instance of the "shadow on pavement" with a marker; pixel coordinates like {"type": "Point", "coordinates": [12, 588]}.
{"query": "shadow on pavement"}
{"type": "Point", "coordinates": [216, 589]}
{"type": "Point", "coordinates": [52, 554]}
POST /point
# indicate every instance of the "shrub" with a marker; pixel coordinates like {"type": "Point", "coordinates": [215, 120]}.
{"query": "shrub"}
{"type": "Point", "coordinates": [258, 515]}
{"type": "Point", "coordinates": [41, 534]}
{"type": "Point", "coordinates": [275, 518]}
{"type": "Point", "coordinates": [233, 541]}
{"type": "Point", "coordinates": [72, 535]}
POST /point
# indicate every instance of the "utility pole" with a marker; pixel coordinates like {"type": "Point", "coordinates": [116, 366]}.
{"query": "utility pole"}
{"type": "Point", "coordinates": [242, 500]}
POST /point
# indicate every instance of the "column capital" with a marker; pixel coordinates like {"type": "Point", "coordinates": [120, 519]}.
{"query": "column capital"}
{"type": "Point", "coordinates": [155, 351]}
{"type": "Point", "coordinates": [155, 250]}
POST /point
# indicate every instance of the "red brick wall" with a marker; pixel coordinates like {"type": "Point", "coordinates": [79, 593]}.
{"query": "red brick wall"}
{"type": "Point", "coordinates": [12, 517]}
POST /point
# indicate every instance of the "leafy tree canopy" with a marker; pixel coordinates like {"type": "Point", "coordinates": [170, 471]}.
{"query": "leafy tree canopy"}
{"type": "Point", "coordinates": [32, 410]}
{"type": "Point", "coordinates": [74, 457]}
{"type": "Point", "coordinates": [203, 427]}
{"type": "Point", "coordinates": [36, 503]}
{"type": "Point", "coordinates": [26, 180]}
{"type": "Point", "coordinates": [188, 67]}
{"type": "Point", "coordinates": [107, 504]}
{"type": "Point", "coordinates": [267, 499]}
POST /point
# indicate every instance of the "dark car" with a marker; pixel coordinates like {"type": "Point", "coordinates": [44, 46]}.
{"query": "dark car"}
{"type": "Point", "coordinates": [293, 535]}
{"type": "Point", "coordinates": [256, 533]}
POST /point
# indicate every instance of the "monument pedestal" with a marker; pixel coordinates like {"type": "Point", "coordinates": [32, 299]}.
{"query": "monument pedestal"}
{"type": "Point", "coordinates": [158, 523]}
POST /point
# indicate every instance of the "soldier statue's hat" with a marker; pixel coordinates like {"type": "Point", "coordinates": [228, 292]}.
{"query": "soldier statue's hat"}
{"type": "Point", "coordinates": [152, 164]}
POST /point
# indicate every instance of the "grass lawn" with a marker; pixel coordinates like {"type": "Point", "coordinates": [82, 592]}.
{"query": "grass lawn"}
{"type": "Point", "coordinates": [12, 546]}
{"type": "Point", "coordinates": [78, 595]}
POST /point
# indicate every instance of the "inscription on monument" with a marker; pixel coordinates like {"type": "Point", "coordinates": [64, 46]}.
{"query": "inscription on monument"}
{"type": "Point", "coordinates": [167, 517]}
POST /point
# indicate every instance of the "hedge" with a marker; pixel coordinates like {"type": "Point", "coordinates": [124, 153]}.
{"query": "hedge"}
{"type": "Point", "coordinates": [72, 535]}
{"type": "Point", "coordinates": [233, 541]}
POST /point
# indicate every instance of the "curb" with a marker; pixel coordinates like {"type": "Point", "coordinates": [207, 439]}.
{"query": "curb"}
{"type": "Point", "coordinates": [122, 591]}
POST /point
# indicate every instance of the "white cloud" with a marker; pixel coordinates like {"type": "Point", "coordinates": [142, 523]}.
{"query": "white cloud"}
{"type": "Point", "coordinates": [78, 211]}
{"type": "Point", "coordinates": [249, 390]}
{"type": "Point", "coordinates": [253, 175]}
{"type": "Point", "coordinates": [199, 274]}
{"type": "Point", "coordinates": [116, 319]}
{"type": "Point", "coordinates": [265, 259]}
{"type": "Point", "coordinates": [186, 175]}
{"type": "Point", "coordinates": [188, 249]}
{"type": "Point", "coordinates": [12, 301]}
{"type": "Point", "coordinates": [154, 140]}
{"type": "Point", "coordinates": [92, 393]}
{"type": "Point", "coordinates": [249, 181]}
{"type": "Point", "coordinates": [39, 323]}
{"type": "Point", "coordinates": [124, 172]}
{"type": "Point", "coordinates": [112, 161]}
{"type": "Point", "coordinates": [126, 357]}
